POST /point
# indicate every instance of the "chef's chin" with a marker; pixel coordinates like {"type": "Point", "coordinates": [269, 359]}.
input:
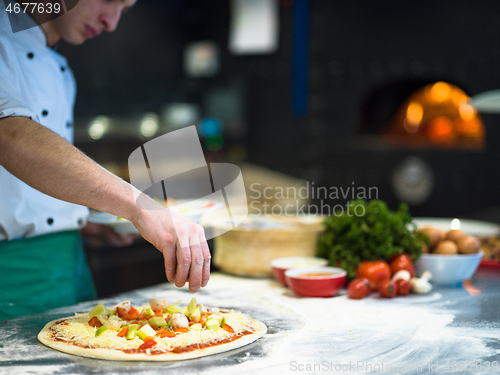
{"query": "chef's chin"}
{"type": "Point", "coordinates": [75, 40]}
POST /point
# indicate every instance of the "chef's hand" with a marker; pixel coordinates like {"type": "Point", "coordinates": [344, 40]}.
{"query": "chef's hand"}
{"type": "Point", "coordinates": [182, 242]}
{"type": "Point", "coordinates": [107, 235]}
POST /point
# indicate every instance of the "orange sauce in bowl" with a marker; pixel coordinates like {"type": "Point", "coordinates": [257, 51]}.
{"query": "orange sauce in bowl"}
{"type": "Point", "coordinates": [316, 274]}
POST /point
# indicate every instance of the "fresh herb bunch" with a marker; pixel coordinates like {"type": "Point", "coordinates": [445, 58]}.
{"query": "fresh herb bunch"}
{"type": "Point", "coordinates": [372, 233]}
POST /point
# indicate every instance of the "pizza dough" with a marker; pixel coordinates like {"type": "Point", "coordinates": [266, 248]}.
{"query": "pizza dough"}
{"type": "Point", "coordinates": [74, 335]}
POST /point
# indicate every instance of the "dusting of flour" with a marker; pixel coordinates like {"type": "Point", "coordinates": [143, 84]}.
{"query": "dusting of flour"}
{"type": "Point", "coordinates": [408, 331]}
{"type": "Point", "coordinates": [306, 335]}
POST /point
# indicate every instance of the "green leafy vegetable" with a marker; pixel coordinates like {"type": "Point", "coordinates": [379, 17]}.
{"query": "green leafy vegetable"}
{"type": "Point", "coordinates": [368, 231]}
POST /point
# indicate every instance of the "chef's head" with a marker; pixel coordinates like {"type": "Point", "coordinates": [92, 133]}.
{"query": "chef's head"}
{"type": "Point", "coordinates": [86, 20]}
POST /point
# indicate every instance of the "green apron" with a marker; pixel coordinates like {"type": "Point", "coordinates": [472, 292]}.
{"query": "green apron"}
{"type": "Point", "coordinates": [43, 272]}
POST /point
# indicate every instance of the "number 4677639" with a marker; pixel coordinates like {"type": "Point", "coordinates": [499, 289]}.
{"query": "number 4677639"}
{"type": "Point", "coordinates": [33, 8]}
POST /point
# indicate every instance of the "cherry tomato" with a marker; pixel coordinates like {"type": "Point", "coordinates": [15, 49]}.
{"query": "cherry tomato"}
{"type": "Point", "coordinates": [358, 288]}
{"type": "Point", "coordinates": [402, 262]}
{"type": "Point", "coordinates": [404, 287]}
{"type": "Point", "coordinates": [376, 271]}
{"type": "Point", "coordinates": [388, 289]}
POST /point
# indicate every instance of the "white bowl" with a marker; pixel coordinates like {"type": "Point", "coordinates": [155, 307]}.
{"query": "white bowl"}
{"type": "Point", "coordinates": [471, 227]}
{"type": "Point", "coordinates": [449, 270]}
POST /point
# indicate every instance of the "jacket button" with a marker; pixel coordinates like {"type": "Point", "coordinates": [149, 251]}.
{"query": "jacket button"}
{"type": "Point", "coordinates": [31, 55]}
{"type": "Point", "coordinates": [50, 221]}
{"type": "Point", "coordinates": [63, 68]}
{"type": "Point", "coordinates": [69, 124]}
{"type": "Point", "coordinates": [45, 113]}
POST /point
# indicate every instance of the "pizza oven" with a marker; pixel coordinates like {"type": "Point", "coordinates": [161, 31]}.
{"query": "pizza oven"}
{"type": "Point", "coordinates": [422, 142]}
{"type": "Point", "coordinates": [389, 107]}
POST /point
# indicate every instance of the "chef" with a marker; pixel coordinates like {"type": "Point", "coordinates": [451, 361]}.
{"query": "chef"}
{"type": "Point", "coordinates": [47, 185]}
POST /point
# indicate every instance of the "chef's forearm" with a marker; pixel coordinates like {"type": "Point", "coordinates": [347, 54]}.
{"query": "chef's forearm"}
{"type": "Point", "coordinates": [50, 164]}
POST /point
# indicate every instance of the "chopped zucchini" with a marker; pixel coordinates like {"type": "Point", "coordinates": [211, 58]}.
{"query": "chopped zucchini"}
{"type": "Point", "coordinates": [218, 317]}
{"type": "Point", "coordinates": [100, 308]}
{"type": "Point", "coordinates": [157, 321]}
{"type": "Point", "coordinates": [100, 331]}
{"type": "Point", "coordinates": [173, 308]}
{"type": "Point", "coordinates": [212, 324]}
{"type": "Point", "coordinates": [146, 331]}
{"type": "Point", "coordinates": [195, 316]}
{"type": "Point", "coordinates": [192, 306]}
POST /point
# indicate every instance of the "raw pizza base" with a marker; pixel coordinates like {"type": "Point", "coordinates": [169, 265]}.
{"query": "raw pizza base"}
{"type": "Point", "coordinates": [45, 337]}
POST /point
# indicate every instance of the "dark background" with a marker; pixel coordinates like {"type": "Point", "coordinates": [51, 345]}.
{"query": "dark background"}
{"type": "Point", "coordinates": [364, 59]}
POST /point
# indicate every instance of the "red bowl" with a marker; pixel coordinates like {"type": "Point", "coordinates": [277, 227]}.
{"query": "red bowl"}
{"type": "Point", "coordinates": [316, 281]}
{"type": "Point", "coordinates": [280, 265]}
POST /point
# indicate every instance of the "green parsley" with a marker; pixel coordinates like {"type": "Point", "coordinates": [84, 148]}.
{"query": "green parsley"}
{"type": "Point", "coordinates": [368, 231]}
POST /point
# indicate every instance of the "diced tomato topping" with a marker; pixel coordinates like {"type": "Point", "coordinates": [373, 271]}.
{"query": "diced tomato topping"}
{"type": "Point", "coordinates": [203, 319]}
{"type": "Point", "coordinates": [131, 313]}
{"type": "Point", "coordinates": [122, 332]}
{"type": "Point", "coordinates": [163, 332]}
{"type": "Point", "coordinates": [94, 322]}
{"type": "Point", "coordinates": [228, 328]}
{"type": "Point", "coordinates": [142, 315]}
{"type": "Point", "coordinates": [159, 331]}
{"type": "Point", "coordinates": [147, 344]}
{"type": "Point", "coordinates": [191, 323]}
{"type": "Point", "coordinates": [181, 330]}
{"type": "Point", "coordinates": [120, 311]}
{"type": "Point", "coordinates": [148, 338]}
{"type": "Point", "coordinates": [64, 324]}
{"type": "Point", "coordinates": [158, 313]}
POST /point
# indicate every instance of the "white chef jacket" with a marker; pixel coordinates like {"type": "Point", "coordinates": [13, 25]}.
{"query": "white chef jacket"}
{"type": "Point", "coordinates": [35, 82]}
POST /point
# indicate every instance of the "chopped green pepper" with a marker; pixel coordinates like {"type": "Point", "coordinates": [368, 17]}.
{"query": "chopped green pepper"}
{"type": "Point", "coordinates": [132, 328]}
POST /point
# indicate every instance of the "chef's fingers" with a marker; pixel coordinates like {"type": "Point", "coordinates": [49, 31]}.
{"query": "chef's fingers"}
{"type": "Point", "coordinates": [196, 269]}
{"type": "Point", "coordinates": [183, 229]}
{"type": "Point", "coordinates": [190, 258]}
{"type": "Point", "coordinates": [183, 264]}
{"type": "Point", "coordinates": [170, 257]}
{"type": "Point", "coordinates": [205, 275]}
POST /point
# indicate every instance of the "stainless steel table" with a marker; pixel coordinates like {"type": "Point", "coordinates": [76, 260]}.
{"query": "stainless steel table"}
{"type": "Point", "coordinates": [450, 330]}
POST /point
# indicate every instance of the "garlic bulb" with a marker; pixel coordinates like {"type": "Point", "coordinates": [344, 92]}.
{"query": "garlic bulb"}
{"type": "Point", "coordinates": [421, 285]}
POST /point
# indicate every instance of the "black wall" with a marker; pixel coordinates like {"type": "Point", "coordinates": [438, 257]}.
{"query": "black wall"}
{"type": "Point", "coordinates": [364, 58]}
